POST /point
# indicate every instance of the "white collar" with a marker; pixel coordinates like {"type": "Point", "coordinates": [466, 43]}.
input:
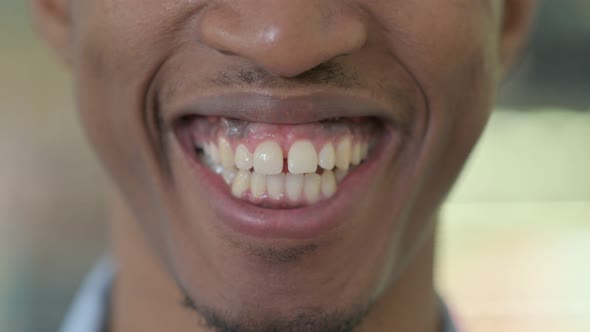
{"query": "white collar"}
{"type": "Point", "coordinates": [89, 311]}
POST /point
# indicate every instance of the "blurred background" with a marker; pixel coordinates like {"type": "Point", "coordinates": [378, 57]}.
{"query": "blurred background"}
{"type": "Point", "coordinates": [515, 239]}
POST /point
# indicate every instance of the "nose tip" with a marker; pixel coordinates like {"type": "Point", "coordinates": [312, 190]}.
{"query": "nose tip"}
{"type": "Point", "coordinates": [285, 38]}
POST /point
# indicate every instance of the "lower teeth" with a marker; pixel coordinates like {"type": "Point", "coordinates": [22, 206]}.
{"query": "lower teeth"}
{"type": "Point", "coordinates": [284, 188]}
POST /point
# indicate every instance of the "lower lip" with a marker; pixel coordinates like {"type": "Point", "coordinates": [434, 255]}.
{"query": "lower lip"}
{"type": "Point", "coordinates": [299, 223]}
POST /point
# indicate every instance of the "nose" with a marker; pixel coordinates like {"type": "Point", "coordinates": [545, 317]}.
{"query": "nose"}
{"type": "Point", "coordinates": [284, 37]}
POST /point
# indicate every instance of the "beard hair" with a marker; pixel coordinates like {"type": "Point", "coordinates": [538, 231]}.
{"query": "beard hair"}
{"type": "Point", "coordinates": [308, 321]}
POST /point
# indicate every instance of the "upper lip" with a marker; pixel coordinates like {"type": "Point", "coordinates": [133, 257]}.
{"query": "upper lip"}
{"type": "Point", "coordinates": [287, 109]}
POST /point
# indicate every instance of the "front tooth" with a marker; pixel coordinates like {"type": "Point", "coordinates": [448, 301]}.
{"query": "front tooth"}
{"type": "Point", "coordinates": [275, 185]}
{"type": "Point", "coordinates": [311, 187]}
{"type": "Point", "coordinates": [294, 186]}
{"type": "Point", "coordinates": [257, 185]}
{"type": "Point", "coordinates": [241, 183]}
{"type": "Point", "coordinates": [355, 155]}
{"type": "Point", "coordinates": [214, 153]}
{"type": "Point", "coordinates": [328, 184]}
{"type": "Point", "coordinates": [343, 154]}
{"type": "Point", "coordinates": [225, 153]}
{"type": "Point", "coordinates": [327, 157]}
{"type": "Point", "coordinates": [243, 159]}
{"type": "Point", "coordinates": [302, 158]}
{"type": "Point", "coordinates": [268, 158]}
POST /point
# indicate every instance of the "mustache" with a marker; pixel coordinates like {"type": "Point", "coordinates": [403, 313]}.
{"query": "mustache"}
{"type": "Point", "coordinates": [329, 74]}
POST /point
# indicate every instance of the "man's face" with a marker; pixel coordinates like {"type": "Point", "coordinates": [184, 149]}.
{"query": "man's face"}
{"type": "Point", "coordinates": [285, 158]}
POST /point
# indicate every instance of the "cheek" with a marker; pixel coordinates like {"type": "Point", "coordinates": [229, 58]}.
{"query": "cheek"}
{"type": "Point", "coordinates": [460, 98]}
{"type": "Point", "coordinates": [459, 107]}
{"type": "Point", "coordinates": [112, 79]}
{"type": "Point", "coordinates": [119, 45]}
{"type": "Point", "coordinates": [451, 53]}
{"type": "Point", "coordinates": [109, 116]}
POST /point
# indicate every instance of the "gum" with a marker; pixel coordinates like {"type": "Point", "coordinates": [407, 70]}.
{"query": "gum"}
{"type": "Point", "coordinates": [250, 134]}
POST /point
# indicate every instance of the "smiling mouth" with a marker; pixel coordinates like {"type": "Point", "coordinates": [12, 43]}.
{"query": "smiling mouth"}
{"type": "Point", "coordinates": [286, 167]}
{"type": "Point", "coordinates": [281, 165]}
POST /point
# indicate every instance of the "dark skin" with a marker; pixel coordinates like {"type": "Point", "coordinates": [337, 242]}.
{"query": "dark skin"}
{"type": "Point", "coordinates": [434, 66]}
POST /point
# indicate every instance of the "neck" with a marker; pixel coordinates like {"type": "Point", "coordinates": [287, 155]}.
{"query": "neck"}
{"type": "Point", "coordinates": [146, 298]}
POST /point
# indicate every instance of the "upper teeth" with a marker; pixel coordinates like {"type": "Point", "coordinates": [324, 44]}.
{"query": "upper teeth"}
{"type": "Point", "coordinates": [226, 153]}
{"type": "Point", "coordinates": [262, 172]}
{"type": "Point", "coordinates": [243, 158]}
{"type": "Point", "coordinates": [302, 157]}
{"type": "Point", "coordinates": [327, 156]}
{"type": "Point", "coordinates": [268, 158]}
{"type": "Point", "coordinates": [343, 153]}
